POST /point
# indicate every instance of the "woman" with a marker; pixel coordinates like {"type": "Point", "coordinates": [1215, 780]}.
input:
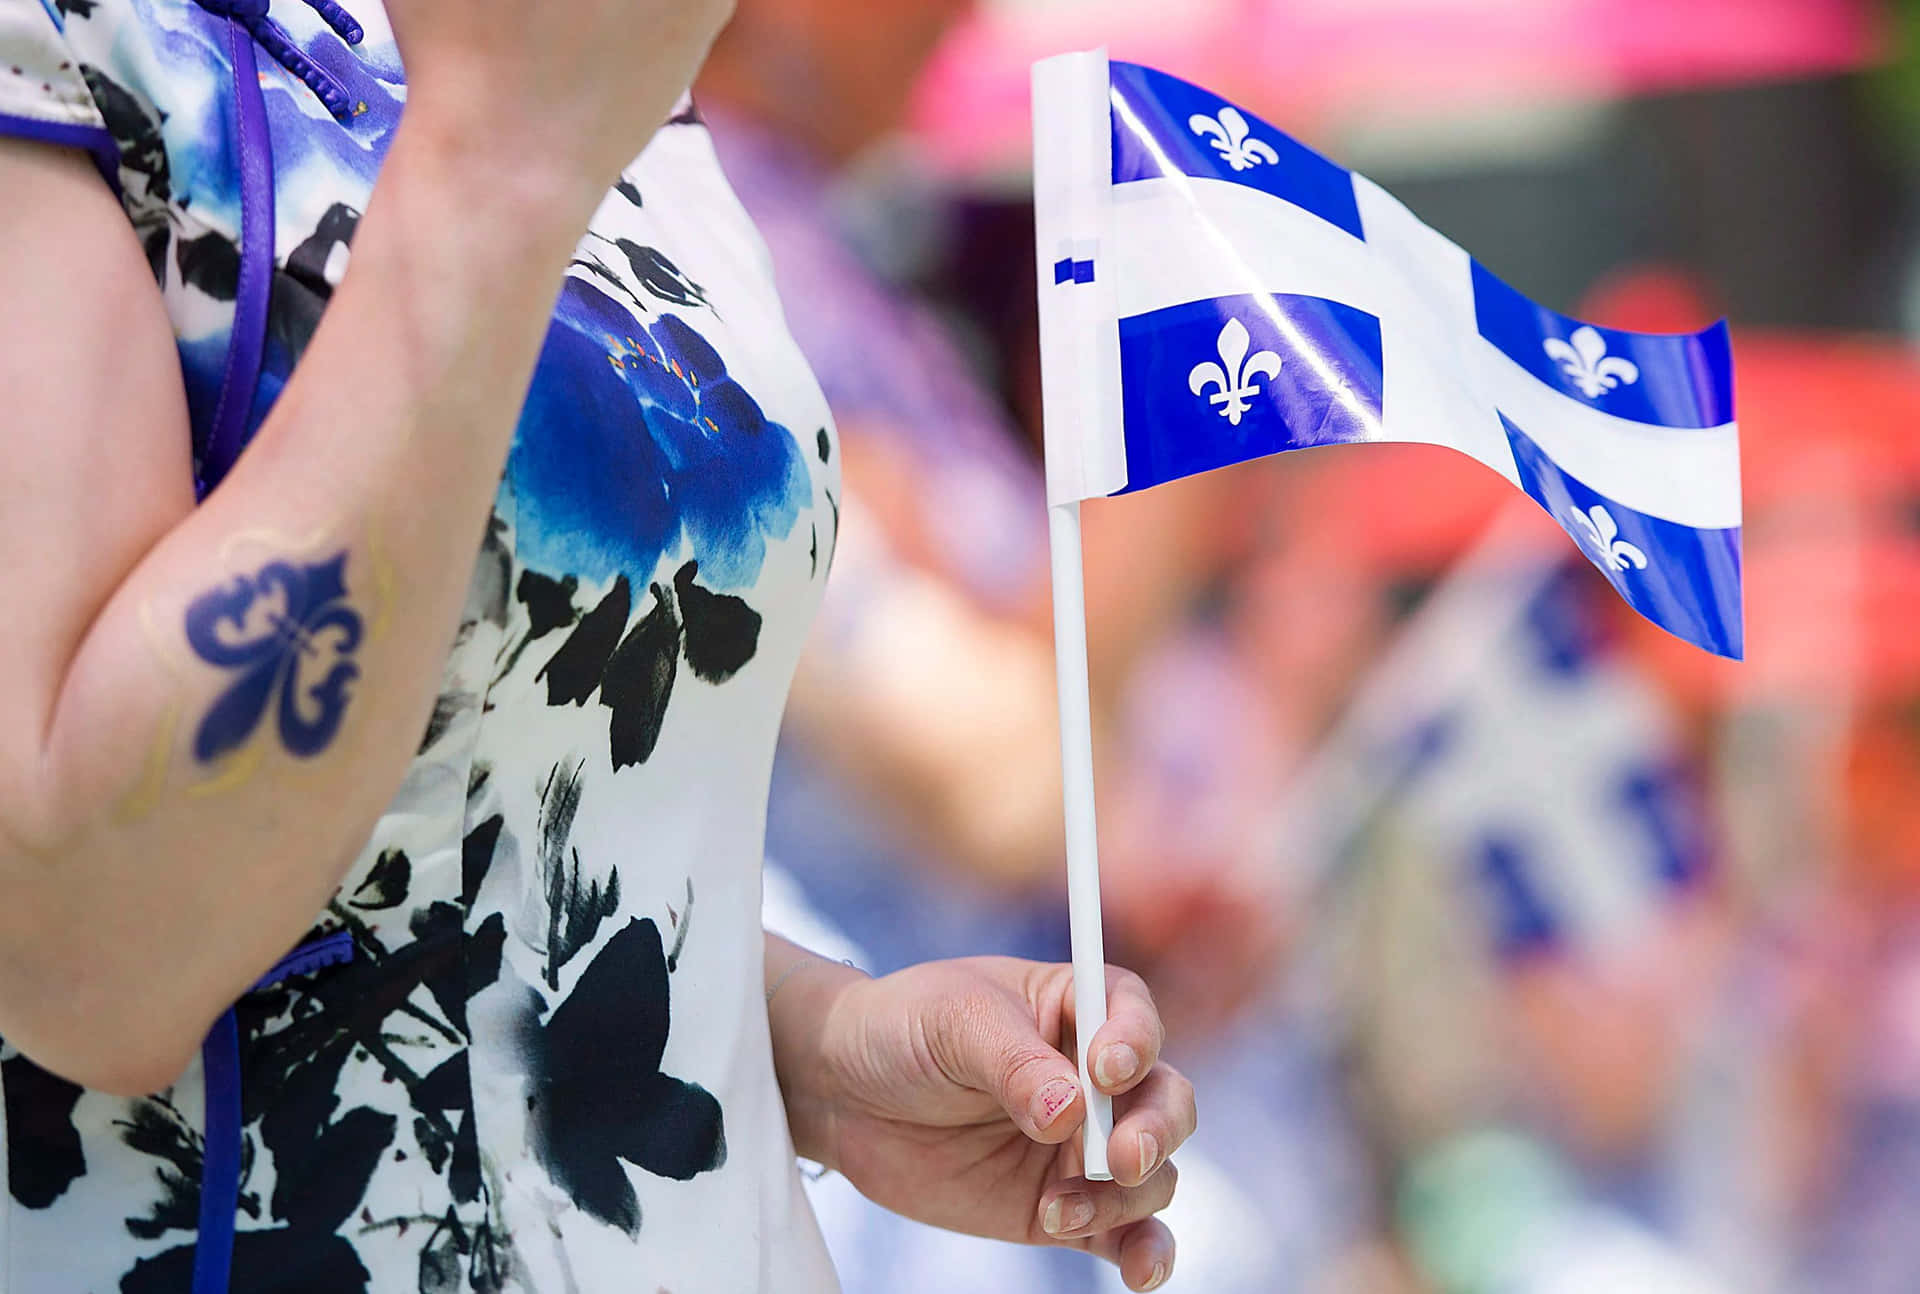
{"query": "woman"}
{"type": "Point", "coordinates": [468, 1072]}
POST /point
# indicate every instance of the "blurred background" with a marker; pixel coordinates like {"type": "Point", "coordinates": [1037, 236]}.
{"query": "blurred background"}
{"type": "Point", "coordinates": [1514, 947]}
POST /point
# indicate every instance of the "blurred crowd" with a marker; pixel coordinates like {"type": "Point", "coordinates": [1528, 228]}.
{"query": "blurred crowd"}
{"type": "Point", "coordinates": [1514, 947]}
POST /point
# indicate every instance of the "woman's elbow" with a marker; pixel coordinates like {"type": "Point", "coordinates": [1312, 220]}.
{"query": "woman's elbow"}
{"type": "Point", "coordinates": [103, 1058]}
{"type": "Point", "coordinates": [107, 1038]}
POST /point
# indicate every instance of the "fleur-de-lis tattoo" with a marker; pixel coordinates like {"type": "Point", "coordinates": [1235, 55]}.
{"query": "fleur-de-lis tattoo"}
{"type": "Point", "coordinates": [1599, 533]}
{"type": "Point", "coordinates": [1589, 366]}
{"type": "Point", "coordinates": [1238, 381]}
{"type": "Point", "coordinates": [1229, 130]}
{"type": "Point", "coordinates": [286, 630]}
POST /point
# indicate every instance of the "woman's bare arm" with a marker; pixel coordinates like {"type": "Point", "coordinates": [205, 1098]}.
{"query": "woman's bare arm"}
{"type": "Point", "coordinates": [158, 851]}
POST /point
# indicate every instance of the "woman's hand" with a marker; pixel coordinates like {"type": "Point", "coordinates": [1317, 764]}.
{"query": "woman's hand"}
{"type": "Point", "coordinates": [546, 90]}
{"type": "Point", "coordinates": [946, 1093]}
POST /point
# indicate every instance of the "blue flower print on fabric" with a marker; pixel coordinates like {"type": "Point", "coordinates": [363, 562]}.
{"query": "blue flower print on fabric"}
{"type": "Point", "coordinates": [635, 436]}
{"type": "Point", "coordinates": [287, 628]}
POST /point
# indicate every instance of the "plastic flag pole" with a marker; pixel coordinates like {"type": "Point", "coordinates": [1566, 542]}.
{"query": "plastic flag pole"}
{"type": "Point", "coordinates": [1080, 378]}
{"type": "Point", "coordinates": [1083, 849]}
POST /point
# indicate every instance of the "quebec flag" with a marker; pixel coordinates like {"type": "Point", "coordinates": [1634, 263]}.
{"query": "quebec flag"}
{"type": "Point", "coordinates": [1212, 291]}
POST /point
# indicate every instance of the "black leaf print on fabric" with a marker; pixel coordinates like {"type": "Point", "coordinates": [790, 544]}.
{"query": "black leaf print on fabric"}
{"type": "Point", "coordinates": [44, 1154]}
{"type": "Point", "coordinates": [574, 913]}
{"type": "Point", "coordinates": [484, 951]}
{"type": "Point", "coordinates": [722, 631]}
{"type": "Point", "coordinates": [292, 1072]}
{"type": "Point", "coordinates": [286, 1261]}
{"type": "Point", "coordinates": [322, 1165]}
{"type": "Point", "coordinates": [211, 263]}
{"type": "Point", "coordinates": [823, 443]}
{"type": "Point", "coordinates": [146, 179]}
{"type": "Point", "coordinates": [575, 670]}
{"type": "Point", "coordinates": [293, 316]}
{"type": "Point", "coordinates": [300, 292]}
{"type": "Point", "coordinates": [136, 129]}
{"type": "Point", "coordinates": [440, 927]}
{"type": "Point", "coordinates": [441, 1260]}
{"type": "Point", "coordinates": [659, 276]}
{"type": "Point", "coordinates": [307, 262]}
{"type": "Point", "coordinates": [386, 883]}
{"type": "Point", "coordinates": [458, 1155]}
{"type": "Point", "coordinates": [549, 602]}
{"type": "Point", "coordinates": [598, 1096]}
{"type": "Point", "coordinates": [476, 856]}
{"type": "Point", "coordinates": [592, 265]}
{"type": "Point", "coordinates": [452, 1247]}
{"type": "Point", "coordinates": [833, 543]}
{"type": "Point", "coordinates": [156, 1127]}
{"type": "Point", "coordinates": [639, 683]}
{"type": "Point", "coordinates": [624, 187]}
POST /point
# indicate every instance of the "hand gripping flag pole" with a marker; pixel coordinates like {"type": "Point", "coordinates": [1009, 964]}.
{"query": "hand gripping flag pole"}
{"type": "Point", "coordinates": [1212, 291]}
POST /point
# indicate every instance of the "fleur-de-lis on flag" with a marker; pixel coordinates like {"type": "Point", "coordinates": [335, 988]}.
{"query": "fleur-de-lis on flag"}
{"type": "Point", "coordinates": [1238, 381]}
{"type": "Point", "coordinates": [1586, 362]}
{"type": "Point", "coordinates": [1600, 533]}
{"type": "Point", "coordinates": [1229, 131]}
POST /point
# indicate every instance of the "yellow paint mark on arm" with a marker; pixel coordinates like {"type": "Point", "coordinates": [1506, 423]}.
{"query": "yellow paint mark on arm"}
{"type": "Point", "coordinates": [268, 544]}
{"type": "Point", "coordinates": [382, 572]}
{"type": "Point", "coordinates": [140, 801]}
{"type": "Point", "coordinates": [236, 770]}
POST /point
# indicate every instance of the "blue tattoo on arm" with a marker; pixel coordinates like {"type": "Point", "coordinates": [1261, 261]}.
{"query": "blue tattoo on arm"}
{"type": "Point", "coordinates": [289, 630]}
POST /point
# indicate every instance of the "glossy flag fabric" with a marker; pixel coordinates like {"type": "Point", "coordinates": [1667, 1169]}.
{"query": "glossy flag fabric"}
{"type": "Point", "coordinates": [1212, 291]}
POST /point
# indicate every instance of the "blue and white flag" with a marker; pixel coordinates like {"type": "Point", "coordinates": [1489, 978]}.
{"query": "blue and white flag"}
{"type": "Point", "coordinates": [1212, 291]}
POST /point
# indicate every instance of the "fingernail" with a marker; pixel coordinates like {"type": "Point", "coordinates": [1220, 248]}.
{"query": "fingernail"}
{"type": "Point", "coordinates": [1149, 1154]}
{"type": "Point", "coordinates": [1056, 1096]}
{"type": "Point", "coordinates": [1116, 1064]}
{"type": "Point", "coordinates": [1157, 1279]}
{"type": "Point", "coordinates": [1067, 1214]}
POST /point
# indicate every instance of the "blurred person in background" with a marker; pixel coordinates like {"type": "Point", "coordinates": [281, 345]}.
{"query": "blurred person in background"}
{"type": "Point", "coordinates": [1509, 873]}
{"type": "Point", "coordinates": [1818, 761]}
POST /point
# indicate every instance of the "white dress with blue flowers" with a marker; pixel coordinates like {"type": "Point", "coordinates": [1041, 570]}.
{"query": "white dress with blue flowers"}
{"type": "Point", "coordinates": [524, 1047]}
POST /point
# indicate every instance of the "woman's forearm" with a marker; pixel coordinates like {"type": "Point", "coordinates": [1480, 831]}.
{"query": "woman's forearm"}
{"type": "Point", "coordinates": [158, 818]}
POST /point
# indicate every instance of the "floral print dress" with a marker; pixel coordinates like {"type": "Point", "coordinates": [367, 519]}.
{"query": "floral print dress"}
{"type": "Point", "coordinates": [524, 1047]}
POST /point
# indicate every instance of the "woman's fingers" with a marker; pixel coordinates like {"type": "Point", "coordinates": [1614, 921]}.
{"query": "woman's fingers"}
{"type": "Point", "coordinates": [1159, 1116]}
{"type": "Point", "coordinates": [989, 1041]}
{"type": "Point", "coordinates": [1143, 1252]}
{"type": "Point", "coordinates": [1127, 1046]}
{"type": "Point", "coordinates": [1076, 1209]}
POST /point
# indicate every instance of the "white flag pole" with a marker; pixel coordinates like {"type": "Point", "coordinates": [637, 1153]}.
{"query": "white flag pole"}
{"type": "Point", "coordinates": [1083, 849]}
{"type": "Point", "coordinates": [1086, 458]}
